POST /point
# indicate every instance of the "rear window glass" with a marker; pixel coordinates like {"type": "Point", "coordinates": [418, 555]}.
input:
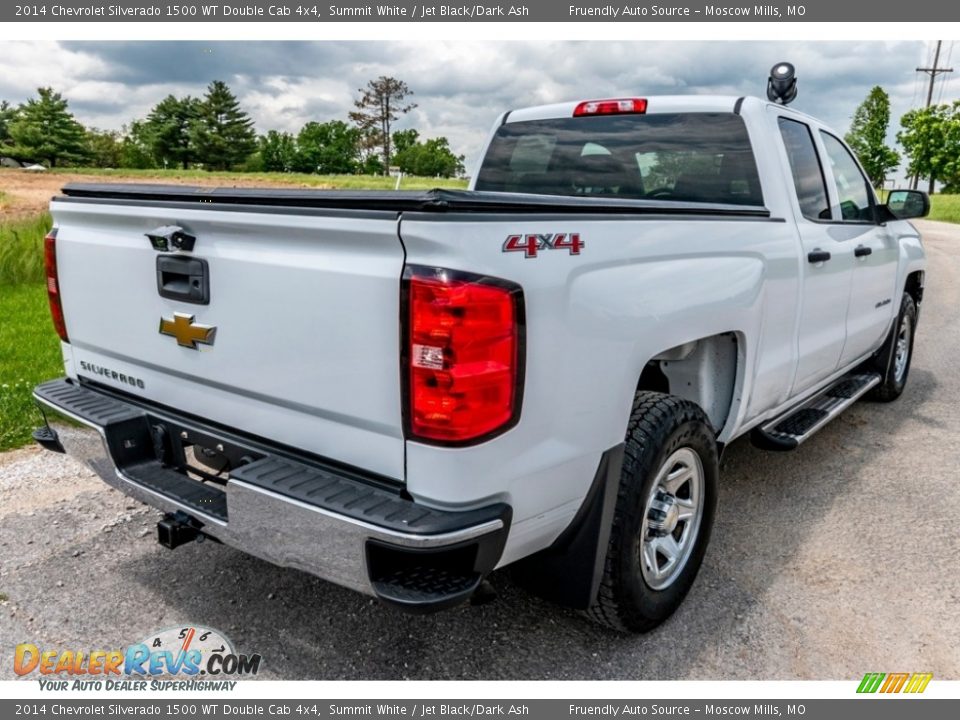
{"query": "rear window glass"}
{"type": "Point", "coordinates": [681, 157]}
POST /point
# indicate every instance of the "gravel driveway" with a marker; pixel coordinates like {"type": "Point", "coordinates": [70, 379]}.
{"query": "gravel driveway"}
{"type": "Point", "coordinates": [837, 559]}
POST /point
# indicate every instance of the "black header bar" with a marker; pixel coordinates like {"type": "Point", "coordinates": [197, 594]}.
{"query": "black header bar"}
{"type": "Point", "coordinates": [631, 11]}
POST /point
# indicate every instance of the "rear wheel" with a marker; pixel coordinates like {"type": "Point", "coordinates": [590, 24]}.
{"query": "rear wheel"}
{"type": "Point", "coordinates": [664, 513]}
{"type": "Point", "coordinates": [893, 359]}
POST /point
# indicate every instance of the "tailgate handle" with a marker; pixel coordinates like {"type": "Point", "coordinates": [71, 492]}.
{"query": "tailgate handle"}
{"type": "Point", "coordinates": [182, 278]}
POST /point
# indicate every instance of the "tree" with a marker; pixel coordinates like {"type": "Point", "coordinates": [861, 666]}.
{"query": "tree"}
{"type": "Point", "coordinates": [135, 149]}
{"type": "Point", "coordinates": [403, 140]}
{"type": "Point", "coordinates": [168, 131]}
{"type": "Point", "coordinates": [868, 135]}
{"type": "Point", "coordinates": [222, 132]}
{"type": "Point", "coordinates": [7, 115]}
{"type": "Point", "coordinates": [380, 104]}
{"type": "Point", "coordinates": [430, 158]}
{"type": "Point", "coordinates": [278, 152]}
{"type": "Point", "coordinates": [44, 129]}
{"type": "Point", "coordinates": [328, 148]}
{"type": "Point", "coordinates": [105, 148]}
{"type": "Point", "coordinates": [931, 140]}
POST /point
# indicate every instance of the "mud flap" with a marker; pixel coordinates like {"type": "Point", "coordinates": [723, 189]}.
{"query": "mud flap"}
{"type": "Point", "coordinates": [569, 571]}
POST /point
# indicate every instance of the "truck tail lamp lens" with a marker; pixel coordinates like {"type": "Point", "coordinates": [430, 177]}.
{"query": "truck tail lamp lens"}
{"type": "Point", "coordinates": [463, 356]}
{"type": "Point", "coordinates": [614, 106]}
{"type": "Point", "coordinates": [53, 284]}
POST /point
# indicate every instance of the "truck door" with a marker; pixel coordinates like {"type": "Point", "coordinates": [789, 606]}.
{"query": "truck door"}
{"type": "Point", "coordinates": [872, 303]}
{"type": "Point", "coordinates": [826, 263]}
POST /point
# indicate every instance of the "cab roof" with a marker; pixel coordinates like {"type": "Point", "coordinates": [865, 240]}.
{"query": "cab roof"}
{"type": "Point", "coordinates": [655, 104]}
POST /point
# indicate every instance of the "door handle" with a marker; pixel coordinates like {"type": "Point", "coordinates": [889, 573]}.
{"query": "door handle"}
{"type": "Point", "coordinates": [863, 251]}
{"type": "Point", "coordinates": [818, 256]}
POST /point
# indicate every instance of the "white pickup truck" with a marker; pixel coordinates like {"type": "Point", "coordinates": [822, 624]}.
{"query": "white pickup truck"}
{"type": "Point", "coordinates": [401, 392]}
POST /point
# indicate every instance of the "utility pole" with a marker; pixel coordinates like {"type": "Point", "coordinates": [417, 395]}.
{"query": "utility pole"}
{"type": "Point", "coordinates": [932, 72]}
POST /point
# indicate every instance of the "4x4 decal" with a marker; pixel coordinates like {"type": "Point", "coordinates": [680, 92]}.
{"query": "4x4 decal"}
{"type": "Point", "coordinates": [530, 245]}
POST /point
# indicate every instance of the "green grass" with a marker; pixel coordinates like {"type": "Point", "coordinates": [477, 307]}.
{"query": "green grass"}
{"type": "Point", "coordinates": [945, 208]}
{"type": "Point", "coordinates": [21, 251]}
{"type": "Point", "coordinates": [29, 354]}
{"type": "Point", "coordinates": [344, 182]}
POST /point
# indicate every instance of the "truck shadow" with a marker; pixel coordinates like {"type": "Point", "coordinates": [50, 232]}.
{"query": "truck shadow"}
{"type": "Point", "coordinates": [771, 504]}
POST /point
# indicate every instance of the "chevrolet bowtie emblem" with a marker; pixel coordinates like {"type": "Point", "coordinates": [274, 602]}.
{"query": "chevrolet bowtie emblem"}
{"type": "Point", "coordinates": [187, 333]}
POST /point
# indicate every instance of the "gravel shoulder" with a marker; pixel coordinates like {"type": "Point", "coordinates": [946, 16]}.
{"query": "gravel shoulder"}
{"type": "Point", "coordinates": [825, 563]}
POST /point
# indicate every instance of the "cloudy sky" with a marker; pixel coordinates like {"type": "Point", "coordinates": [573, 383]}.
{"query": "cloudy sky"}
{"type": "Point", "coordinates": [460, 87]}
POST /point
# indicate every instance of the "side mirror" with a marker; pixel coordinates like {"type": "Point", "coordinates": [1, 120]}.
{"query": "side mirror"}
{"type": "Point", "coordinates": [906, 204]}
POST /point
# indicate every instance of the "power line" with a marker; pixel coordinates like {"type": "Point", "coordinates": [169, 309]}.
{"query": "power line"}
{"type": "Point", "coordinates": [946, 80]}
{"type": "Point", "coordinates": [933, 72]}
{"type": "Point", "coordinates": [943, 83]}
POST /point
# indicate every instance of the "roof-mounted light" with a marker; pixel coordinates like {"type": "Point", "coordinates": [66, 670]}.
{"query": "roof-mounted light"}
{"type": "Point", "coordinates": [782, 84]}
{"type": "Point", "coordinates": [613, 106]}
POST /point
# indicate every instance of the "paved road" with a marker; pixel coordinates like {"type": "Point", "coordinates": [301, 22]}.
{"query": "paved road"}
{"type": "Point", "coordinates": [838, 559]}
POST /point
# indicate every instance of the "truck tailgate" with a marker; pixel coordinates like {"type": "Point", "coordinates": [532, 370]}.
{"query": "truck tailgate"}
{"type": "Point", "coordinates": [305, 306]}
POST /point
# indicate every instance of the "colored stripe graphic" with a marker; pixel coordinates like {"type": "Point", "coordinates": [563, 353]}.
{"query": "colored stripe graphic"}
{"type": "Point", "coordinates": [918, 682]}
{"type": "Point", "coordinates": [894, 683]}
{"type": "Point", "coordinates": [870, 683]}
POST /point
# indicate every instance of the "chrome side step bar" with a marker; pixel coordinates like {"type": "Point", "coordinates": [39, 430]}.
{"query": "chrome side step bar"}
{"type": "Point", "coordinates": [798, 424]}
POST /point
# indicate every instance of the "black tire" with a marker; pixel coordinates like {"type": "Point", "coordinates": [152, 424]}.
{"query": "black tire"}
{"type": "Point", "coordinates": [660, 426]}
{"type": "Point", "coordinates": [885, 361]}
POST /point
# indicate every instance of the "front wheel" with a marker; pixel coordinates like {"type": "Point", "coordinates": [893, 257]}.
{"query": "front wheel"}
{"type": "Point", "coordinates": [663, 516]}
{"type": "Point", "coordinates": [893, 359]}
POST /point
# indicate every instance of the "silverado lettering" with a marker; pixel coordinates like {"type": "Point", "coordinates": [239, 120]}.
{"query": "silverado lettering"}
{"type": "Point", "coordinates": [111, 374]}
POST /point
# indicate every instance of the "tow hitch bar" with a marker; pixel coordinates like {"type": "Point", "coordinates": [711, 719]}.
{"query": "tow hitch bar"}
{"type": "Point", "coordinates": [178, 529]}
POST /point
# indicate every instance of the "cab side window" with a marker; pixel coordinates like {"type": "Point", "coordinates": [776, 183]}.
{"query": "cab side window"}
{"type": "Point", "coordinates": [853, 188]}
{"type": "Point", "coordinates": [808, 180]}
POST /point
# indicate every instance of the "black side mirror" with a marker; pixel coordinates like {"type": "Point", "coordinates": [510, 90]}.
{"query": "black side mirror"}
{"type": "Point", "coordinates": [906, 204]}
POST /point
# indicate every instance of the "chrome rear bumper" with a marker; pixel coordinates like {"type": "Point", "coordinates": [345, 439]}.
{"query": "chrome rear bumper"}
{"type": "Point", "coordinates": [329, 522]}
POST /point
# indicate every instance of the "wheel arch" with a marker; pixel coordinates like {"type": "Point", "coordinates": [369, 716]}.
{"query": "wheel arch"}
{"type": "Point", "coordinates": [913, 286]}
{"type": "Point", "coordinates": [707, 371]}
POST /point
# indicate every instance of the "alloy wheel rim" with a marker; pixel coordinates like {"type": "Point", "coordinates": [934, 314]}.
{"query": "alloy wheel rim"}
{"type": "Point", "coordinates": [671, 519]}
{"type": "Point", "coordinates": [902, 349]}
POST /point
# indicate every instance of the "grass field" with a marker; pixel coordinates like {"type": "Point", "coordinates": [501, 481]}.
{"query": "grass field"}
{"type": "Point", "coordinates": [945, 208]}
{"type": "Point", "coordinates": [29, 354]}
{"type": "Point", "coordinates": [342, 182]}
{"type": "Point", "coordinates": [21, 251]}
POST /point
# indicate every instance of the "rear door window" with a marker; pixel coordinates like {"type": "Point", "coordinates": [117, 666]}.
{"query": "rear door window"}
{"type": "Point", "coordinates": [673, 157]}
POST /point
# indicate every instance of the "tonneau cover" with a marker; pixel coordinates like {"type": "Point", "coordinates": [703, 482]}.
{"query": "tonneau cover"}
{"type": "Point", "coordinates": [438, 200]}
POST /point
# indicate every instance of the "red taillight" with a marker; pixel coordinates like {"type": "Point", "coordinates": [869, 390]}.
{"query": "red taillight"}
{"type": "Point", "coordinates": [463, 355]}
{"type": "Point", "coordinates": [614, 106]}
{"type": "Point", "coordinates": [53, 284]}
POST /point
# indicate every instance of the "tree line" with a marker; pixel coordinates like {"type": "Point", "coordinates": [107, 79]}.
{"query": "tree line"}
{"type": "Point", "coordinates": [214, 132]}
{"type": "Point", "coordinates": [930, 138]}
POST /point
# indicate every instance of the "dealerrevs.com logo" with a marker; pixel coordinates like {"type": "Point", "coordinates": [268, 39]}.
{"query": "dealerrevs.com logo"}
{"type": "Point", "coordinates": [179, 658]}
{"type": "Point", "coordinates": [891, 683]}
